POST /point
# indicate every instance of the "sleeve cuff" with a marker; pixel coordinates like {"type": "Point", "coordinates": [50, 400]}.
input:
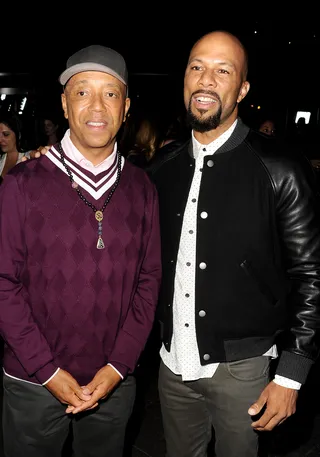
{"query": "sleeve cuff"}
{"type": "Point", "coordinates": [286, 382]}
{"type": "Point", "coordinates": [294, 366]}
{"type": "Point", "coordinates": [119, 368]}
{"type": "Point", "coordinates": [110, 364]}
{"type": "Point", "coordinates": [45, 373]}
{"type": "Point", "coordinates": [51, 377]}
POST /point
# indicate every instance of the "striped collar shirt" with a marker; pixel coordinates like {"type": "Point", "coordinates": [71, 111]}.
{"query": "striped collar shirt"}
{"type": "Point", "coordinates": [95, 179]}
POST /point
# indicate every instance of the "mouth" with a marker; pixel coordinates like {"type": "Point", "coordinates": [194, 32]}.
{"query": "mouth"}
{"type": "Point", "coordinates": [96, 124]}
{"type": "Point", "coordinates": [204, 101]}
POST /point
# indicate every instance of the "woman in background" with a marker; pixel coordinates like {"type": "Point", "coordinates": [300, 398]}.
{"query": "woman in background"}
{"type": "Point", "coordinates": [10, 143]}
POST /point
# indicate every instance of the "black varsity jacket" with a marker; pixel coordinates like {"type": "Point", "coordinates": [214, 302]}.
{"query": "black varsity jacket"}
{"type": "Point", "coordinates": [258, 250]}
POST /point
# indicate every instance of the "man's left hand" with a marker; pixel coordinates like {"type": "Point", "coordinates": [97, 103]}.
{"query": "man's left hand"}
{"type": "Point", "coordinates": [101, 385]}
{"type": "Point", "coordinates": [280, 403]}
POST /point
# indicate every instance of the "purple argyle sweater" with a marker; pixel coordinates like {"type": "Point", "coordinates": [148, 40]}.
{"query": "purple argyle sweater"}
{"type": "Point", "coordinates": [63, 302]}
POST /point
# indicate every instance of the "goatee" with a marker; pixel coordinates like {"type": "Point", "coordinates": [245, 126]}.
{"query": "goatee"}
{"type": "Point", "coordinates": [203, 125]}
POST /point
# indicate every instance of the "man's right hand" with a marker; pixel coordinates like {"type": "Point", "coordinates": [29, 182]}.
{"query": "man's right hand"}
{"type": "Point", "coordinates": [66, 389]}
{"type": "Point", "coordinates": [36, 153]}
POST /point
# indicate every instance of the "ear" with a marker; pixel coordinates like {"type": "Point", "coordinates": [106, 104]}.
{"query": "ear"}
{"type": "Point", "coordinates": [126, 108]}
{"type": "Point", "coordinates": [64, 105]}
{"type": "Point", "coordinates": [243, 91]}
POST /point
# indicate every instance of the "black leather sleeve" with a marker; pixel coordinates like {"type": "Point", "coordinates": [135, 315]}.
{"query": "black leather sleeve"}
{"type": "Point", "coordinates": [298, 220]}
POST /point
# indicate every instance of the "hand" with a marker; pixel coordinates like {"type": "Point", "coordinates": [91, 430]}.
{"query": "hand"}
{"type": "Point", "coordinates": [280, 403]}
{"type": "Point", "coordinates": [66, 389]}
{"type": "Point", "coordinates": [102, 384]}
{"type": "Point", "coordinates": [36, 153]}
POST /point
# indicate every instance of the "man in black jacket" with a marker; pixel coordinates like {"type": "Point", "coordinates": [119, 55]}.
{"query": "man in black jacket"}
{"type": "Point", "coordinates": [241, 267]}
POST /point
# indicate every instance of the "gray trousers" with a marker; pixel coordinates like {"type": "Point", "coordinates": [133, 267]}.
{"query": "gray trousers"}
{"type": "Point", "coordinates": [190, 409]}
{"type": "Point", "coordinates": [35, 423]}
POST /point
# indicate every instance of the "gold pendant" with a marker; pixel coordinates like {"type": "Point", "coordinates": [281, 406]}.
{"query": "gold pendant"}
{"type": "Point", "coordinates": [99, 216]}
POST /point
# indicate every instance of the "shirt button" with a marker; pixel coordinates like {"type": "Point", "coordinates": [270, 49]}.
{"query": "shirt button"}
{"type": "Point", "coordinates": [187, 295]}
{"type": "Point", "coordinates": [202, 313]}
{"type": "Point", "coordinates": [203, 215]}
{"type": "Point", "coordinates": [178, 214]}
{"type": "Point", "coordinates": [191, 232]}
{"type": "Point", "coordinates": [202, 266]}
{"type": "Point", "coordinates": [210, 163]}
{"type": "Point", "coordinates": [188, 264]}
{"type": "Point", "coordinates": [206, 357]}
{"type": "Point", "coordinates": [194, 200]}
{"type": "Point", "coordinates": [186, 325]}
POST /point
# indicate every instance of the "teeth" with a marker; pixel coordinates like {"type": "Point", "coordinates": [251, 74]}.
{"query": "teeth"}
{"type": "Point", "coordinates": [205, 99]}
{"type": "Point", "coordinates": [96, 124]}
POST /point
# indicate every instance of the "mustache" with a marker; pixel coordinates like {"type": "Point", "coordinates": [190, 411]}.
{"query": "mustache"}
{"type": "Point", "coordinates": [206, 92]}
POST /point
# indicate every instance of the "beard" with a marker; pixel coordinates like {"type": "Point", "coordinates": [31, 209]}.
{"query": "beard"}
{"type": "Point", "coordinates": [203, 125]}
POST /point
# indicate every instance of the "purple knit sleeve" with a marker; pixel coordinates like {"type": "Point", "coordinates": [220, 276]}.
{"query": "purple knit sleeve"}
{"type": "Point", "coordinates": [17, 325]}
{"type": "Point", "coordinates": [136, 328]}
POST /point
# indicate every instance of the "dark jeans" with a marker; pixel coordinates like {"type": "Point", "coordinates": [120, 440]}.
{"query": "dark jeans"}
{"type": "Point", "coordinates": [190, 409]}
{"type": "Point", "coordinates": [35, 423]}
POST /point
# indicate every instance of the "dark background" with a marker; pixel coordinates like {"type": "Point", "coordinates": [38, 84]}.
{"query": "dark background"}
{"type": "Point", "coordinates": [284, 50]}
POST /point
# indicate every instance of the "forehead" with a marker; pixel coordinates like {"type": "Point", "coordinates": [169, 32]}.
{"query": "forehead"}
{"type": "Point", "coordinates": [4, 127]}
{"type": "Point", "coordinates": [94, 78]}
{"type": "Point", "coordinates": [267, 124]}
{"type": "Point", "coordinates": [219, 47]}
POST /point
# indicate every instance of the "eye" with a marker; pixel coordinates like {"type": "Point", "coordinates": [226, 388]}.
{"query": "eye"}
{"type": "Point", "coordinates": [110, 94]}
{"type": "Point", "coordinates": [223, 71]}
{"type": "Point", "coordinates": [196, 67]}
{"type": "Point", "coordinates": [81, 93]}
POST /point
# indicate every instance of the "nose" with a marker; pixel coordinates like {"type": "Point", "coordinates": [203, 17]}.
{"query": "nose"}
{"type": "Point", "coordinates": [207, 78]}
{"type": "Point", "coordinates": [97, 102]}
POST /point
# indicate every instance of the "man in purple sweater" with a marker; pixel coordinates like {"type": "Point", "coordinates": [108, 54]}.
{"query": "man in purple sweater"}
{"type": "Point", "coordinates": [79, 274]}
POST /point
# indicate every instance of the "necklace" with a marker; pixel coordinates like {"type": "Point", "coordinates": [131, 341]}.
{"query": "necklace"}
{"type": "Point", "coordinates": [97, 212]}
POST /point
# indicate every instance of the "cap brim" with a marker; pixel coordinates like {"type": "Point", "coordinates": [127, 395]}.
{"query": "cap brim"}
{"type": "Point", "coordinates": [87, 66]}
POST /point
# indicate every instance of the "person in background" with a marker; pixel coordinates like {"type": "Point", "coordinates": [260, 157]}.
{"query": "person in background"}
{"type": "Point", "coordinates": [175, 135]}
{"type": "Point", "coordinates": [146, 140]}
{"type": "Point", "coordinates": [79, 274]}
{"type": "Point", "coordinates": [240, 230]}
{"type": "Point", "coordinates": [10, 147]}
{"type": "Point", "coordinates": [268, 127]}
{"type": "Point", "coordinates": [53, 128]}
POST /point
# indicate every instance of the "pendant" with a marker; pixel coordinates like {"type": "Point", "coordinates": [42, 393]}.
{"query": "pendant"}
{"type": "Point", "coordinates": [99, 216]}
{"type": "Point", "coordinates": [100, 243]}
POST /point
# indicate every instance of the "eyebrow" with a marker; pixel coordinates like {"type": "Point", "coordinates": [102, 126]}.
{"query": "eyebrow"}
{"type": "Point", "coordinates": [86, 81]}
{"type": "Point", "coordinates": [219, 62]}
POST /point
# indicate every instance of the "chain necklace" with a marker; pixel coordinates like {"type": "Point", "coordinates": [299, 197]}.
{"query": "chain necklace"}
{"type": "Point", "coordinates": [97, 212]}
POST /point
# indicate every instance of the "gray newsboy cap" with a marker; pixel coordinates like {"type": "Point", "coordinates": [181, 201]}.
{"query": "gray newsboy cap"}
{"type": "Point", "coordinates": [96, 58]}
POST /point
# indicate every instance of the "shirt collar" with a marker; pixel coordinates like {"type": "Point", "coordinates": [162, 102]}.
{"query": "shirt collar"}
{"type": "Point", "coordinates": [200, 150]}
{"type": "Point", "coordinates": [75, 155]}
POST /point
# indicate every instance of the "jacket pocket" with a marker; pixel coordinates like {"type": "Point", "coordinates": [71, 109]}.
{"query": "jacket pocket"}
{"type": "Point", "coordinates": [259, 282]}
